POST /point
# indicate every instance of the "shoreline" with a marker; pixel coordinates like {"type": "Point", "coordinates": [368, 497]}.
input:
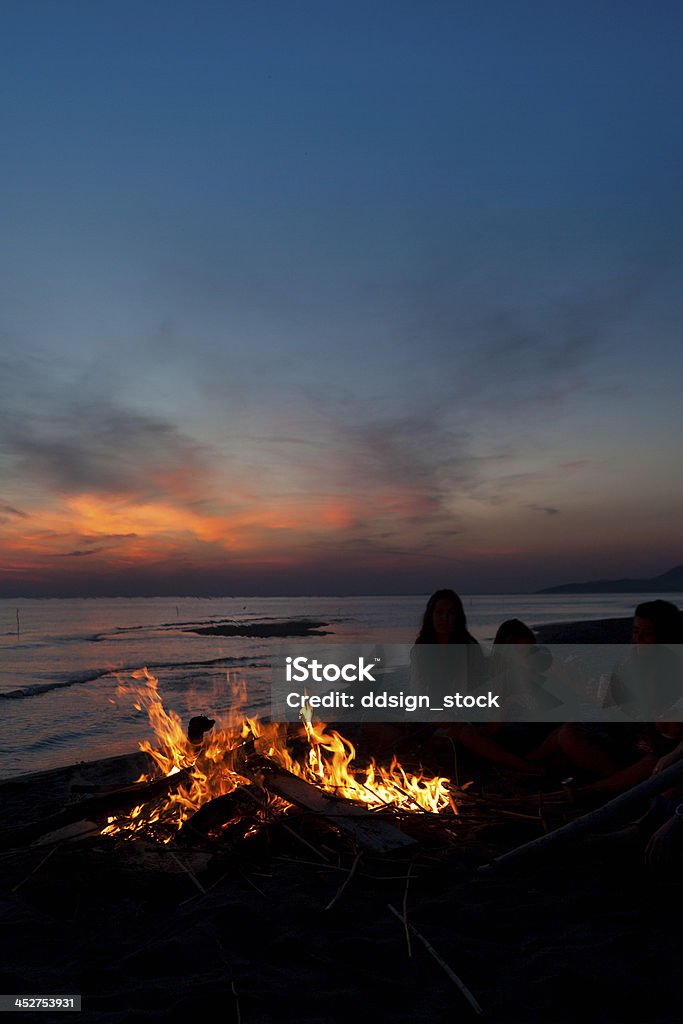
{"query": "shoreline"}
{"type": "Point", "coordinates": [589, 631]}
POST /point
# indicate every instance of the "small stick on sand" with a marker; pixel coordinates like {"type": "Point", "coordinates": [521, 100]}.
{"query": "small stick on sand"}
{"type": "Point", "coordinates": [301, 839]}
{"type": "Point", "coordinates": [252, 884]}
{"type": "Point", "coordinates": [346, 881]}
{"type": "Point", "coordinates": [405, 910]}
{"type": "Point", "coordinates": [188, 871]}
{"type": "Point", "coordinates": [522, 817]}
{"type": "Point", "coordinates": [405, 927]}
{"type": "Point", "coordinates": [36, 868]}
{"type": "Point", "coordinates": [190, 899]}
{"type": "Point", "coordinates": [238, 1015]}
{"type": "Point", "coordinates": [442, 963]}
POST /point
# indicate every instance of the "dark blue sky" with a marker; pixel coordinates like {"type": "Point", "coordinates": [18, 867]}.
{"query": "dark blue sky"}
{"type": "Point", "coordinates": [339, 296]}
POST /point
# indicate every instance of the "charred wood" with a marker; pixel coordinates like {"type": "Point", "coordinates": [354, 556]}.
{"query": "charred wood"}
{"type": "Point", "coordinates": [367, 830]}
{"type": "Point", "coordinates": [97, 807]}
{"type": "Point", "coordinates": [240, 804]}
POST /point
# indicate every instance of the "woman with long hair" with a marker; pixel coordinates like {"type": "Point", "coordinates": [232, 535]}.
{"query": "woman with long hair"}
{"type": "Point", "coordinates": [446, 658]}
{"type": "Point", "coordinates": [444, 621]}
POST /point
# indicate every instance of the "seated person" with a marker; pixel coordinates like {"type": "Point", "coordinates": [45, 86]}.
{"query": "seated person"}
{"type": "Point", "coordinates": [649, 680]}
{"type": "Point", "coordinates": [611, 757]}
{"type": "Point", "coordinates": [516, 667]}
{"type": "Point", "coordinates": [446, 658]}
{"type": "Point", "coordinates": [659, 832]}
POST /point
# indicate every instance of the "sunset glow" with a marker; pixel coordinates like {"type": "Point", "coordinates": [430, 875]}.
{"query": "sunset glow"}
{"type": "Point", "coordinates": [380, 322]}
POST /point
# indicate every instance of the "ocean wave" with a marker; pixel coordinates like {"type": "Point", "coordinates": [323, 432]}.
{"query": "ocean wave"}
{"type": "Point", "coordinates": [38, 689]}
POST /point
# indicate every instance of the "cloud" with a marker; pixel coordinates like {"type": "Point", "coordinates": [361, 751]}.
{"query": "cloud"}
{"type": "Point", "coordinates": [8, 513]}
{"type": "Point", "coordinates": [96, 445]}
{"type": "Point", "coordinates": [545, 510]}
{"type": "Point", "coordinates": [81, 554]}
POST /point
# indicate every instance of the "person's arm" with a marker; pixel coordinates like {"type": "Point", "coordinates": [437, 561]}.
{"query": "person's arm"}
{"type": "Point", "coordinates": [622, 780]}
{"type": "Point", "coordinates": [668, 759]}
{"type": "Point", "coordinates": [615, 694]}
{"type": "Point", "coordinates": [476, 667]}
{"type": "Point", "coordinates": [479, 741]}
{"type": "Point", "coordinates": [666, 844]}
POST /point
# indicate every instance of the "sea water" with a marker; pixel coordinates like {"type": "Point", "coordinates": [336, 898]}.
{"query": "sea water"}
{"type": "Point", "coordinates": [64, 661]}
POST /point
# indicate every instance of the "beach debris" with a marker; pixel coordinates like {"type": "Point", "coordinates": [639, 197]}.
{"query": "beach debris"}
{"type": "Point", "coordinates": [128, 799]}
{"type": "Point", "coordinates": [34, 870]}
{"type": "Point", "coordinates": [456, 979]}
{"type": "Point", "coordinates": [346, 881]}
{"type": "Point", "coordinates": [188, 871]}
{"type": "Point", "coordinates": [70, 833]}
{"type": "Point", "coordinates": [595, 820]}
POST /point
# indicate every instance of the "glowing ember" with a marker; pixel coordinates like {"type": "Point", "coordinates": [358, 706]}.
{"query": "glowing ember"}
{"type": "Point", "coordinates": [327, 763]}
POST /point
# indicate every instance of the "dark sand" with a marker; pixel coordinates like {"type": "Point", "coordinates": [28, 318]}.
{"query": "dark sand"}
{"type": "Point", "coordinates": [122, 924]}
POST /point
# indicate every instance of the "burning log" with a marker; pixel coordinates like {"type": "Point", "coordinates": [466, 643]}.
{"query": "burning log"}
{"type": "Point", "coordinates": [218, 812]}
{"type": "Point", "coordinates": [367, 830]}
{"type": "Point", "coordinates": [102, 806]}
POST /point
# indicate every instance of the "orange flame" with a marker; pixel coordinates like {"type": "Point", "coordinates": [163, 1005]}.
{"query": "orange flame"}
{"type": "Point", "coordinates": [327, 764]}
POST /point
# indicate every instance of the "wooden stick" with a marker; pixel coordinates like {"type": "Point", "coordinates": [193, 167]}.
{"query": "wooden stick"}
{"type": "Point", "coordinates": [591, 822]}
{"type": "Point", "coordinates": [252, 884]}
{"type": "Point", "coordinates": [301, 839]}
{"type": "Point", "coordinates": [36, 868]}
{"type": "Point", "coordinates": [442, 964]}
{"type": "Point", "coordinates": [237, 1002]}
{"type": "Point", "coordinates": [346, 881]}
{"type": "Point", "coordinates": [190, 899]}
{"type": "Point", "coordinates": [188, 871]}
{"type": "Point", "coordinates": [522, 817]}
{"type": "Point", "coordinates": [405, 910]}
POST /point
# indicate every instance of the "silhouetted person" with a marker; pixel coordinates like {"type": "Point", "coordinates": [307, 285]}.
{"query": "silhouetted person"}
{"type": "Point", "coordinates": [446, 658]}
{"type": "Point", "coordinates": [649, 680]}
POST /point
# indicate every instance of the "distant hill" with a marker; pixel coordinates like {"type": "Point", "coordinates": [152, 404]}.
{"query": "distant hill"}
{"type": "Point", "coordinates": [668, 583]}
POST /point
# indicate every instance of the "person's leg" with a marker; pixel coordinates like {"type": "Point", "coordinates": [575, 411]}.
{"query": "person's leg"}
{"type": "Point", "coordinates": [585, 751]}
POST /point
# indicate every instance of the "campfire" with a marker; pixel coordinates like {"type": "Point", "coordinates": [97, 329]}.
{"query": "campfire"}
{"type": "Point", "coordinates": [243, 764]}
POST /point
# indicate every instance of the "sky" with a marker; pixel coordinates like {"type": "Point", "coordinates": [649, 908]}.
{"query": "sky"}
{"type": "Point", "coordinates": [338, 297]}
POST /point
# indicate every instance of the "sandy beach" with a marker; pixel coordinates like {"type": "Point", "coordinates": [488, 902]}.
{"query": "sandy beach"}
{"type": "Point", "coordinates": [293, 924]}
{"type": "Point", "coordinates": [140, 942]}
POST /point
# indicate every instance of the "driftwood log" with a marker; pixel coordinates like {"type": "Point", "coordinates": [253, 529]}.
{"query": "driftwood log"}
{"type": "Point", "coordinates": [367, 830]}
{"type": "Point", "coordinates": [97, 807]}
{"type": "Point", "coordinates": [625, 803]}
{"type": "Point", "coordinates": [242, 804]}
